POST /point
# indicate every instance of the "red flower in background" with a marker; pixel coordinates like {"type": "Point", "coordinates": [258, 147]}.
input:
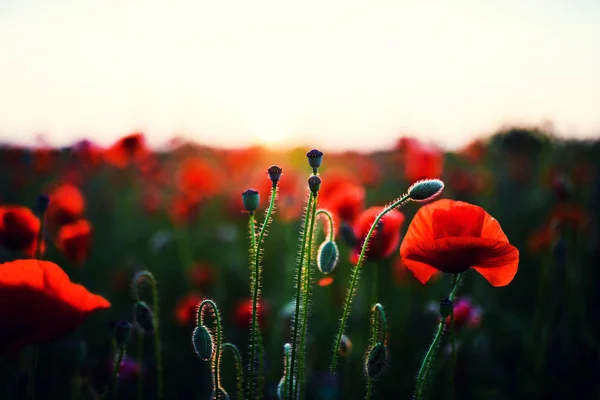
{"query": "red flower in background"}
{"type": "Point", "coordinates": [183, 209]}
{"type": "Point", "coordinates": [19, 229]}
{"type": "Point", "coordinates": [198, 179]}
{"type": "Point", "coordinates": [243, 312]}
{"type": "Point", "coordinates": [45, 304]}
{"type": "Point", "coordinates": [201, 274]}
{"type": "Point", "coordinates": [343, 197]}
{"type": "Point", "coordinates": [465, 314]}
{"type": "Point", "coordinates": [385, 238]}
{"type": "Point", "coordinates": [129, 149]}
{"type": "Point", "coordinates": [75, 240]}
{"type": "Point", "coordinates": [186, 310]}
{"type": "Point", "coordinates": [474, 152]}
{"type": "Point", "coordinates": [66, 204]}
{"type": "Point", "coordinates": [453, 236]}
{"type": "Point", "coordinates": [422, 162]}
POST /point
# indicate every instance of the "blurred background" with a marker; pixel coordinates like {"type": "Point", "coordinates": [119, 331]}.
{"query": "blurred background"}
{"type": "Point", "coordinates": [148, 119]}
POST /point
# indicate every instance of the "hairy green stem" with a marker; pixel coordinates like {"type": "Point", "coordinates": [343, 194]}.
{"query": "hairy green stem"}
{"type": "Point", "coordinates": [256, 288]}
{"type": "Point", "coordinates": [431, 352]}
{"type": "Point", "coordinates": [157, 350]}
{"type": "Point", "coordinates": [115, 373]}
{"type": "Point", "coordinates": [140, 360]}
{"type": "Point", "coordinates": [330, 219]}
{"type": "Point", "coordinates": [217, 355]}
{"type": "Point", "coordinates": [299, 384]}
{"type": "Point", "coordinates": [355, 276]}
{"type": "Point", "coordinates": [298, 292]}
{"type": "Point", "coordinates": [239, 368]}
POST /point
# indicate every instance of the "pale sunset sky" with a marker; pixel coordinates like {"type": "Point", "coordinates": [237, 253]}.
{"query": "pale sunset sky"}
{"type": "Point", "coordinates": [324, 73]}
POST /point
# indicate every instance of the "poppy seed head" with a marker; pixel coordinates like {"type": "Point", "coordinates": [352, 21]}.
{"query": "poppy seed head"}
{"type": "Point", "coordinates": [315, 158]}
{"type": "Point", "coordinates": [251, 200]}
{"type": "Point", "coordinates": [314, 183]}
{"type": "Point", "coordinates": [274, 174]}
{"type": "Point", "coordinates": [122, 332]}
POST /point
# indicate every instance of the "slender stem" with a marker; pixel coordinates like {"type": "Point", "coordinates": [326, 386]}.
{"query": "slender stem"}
{"type": "Point", "coordinates": [217, 354]}
{"type": "Point", "coordinates": [430, 355]}
{"type": "Point", "coordinates": [330, 218]}
{"type": "Point", "coordinates": [239, 368]}
{"type": "Point", "coordinates": [256, 286]}
{"type": "Point", "coordinates": [157, 350]}
{"type": "Point", "coordinates": [287, 350]}
{"type": "Point", "coordinates": [307, 282]}
{"type": "Point", "coordinates": [355, 275]}
{"type": "Point", "coordinates": [115, 372]}
{"type": "Point", "coordinates": [140, 360]}
{"type": "Point", "coordinates": [298, 292]}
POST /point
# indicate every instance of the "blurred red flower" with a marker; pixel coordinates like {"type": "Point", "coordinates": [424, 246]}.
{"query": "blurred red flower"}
{"type": "Point", "coordinates": [422, 162]}
{"type": "Point", "coordinates": [453, 236]}
{"type": "Point", "coordinates": [182, 209]}
{"type": "Point", "coordinates": [75, 240]}
{"type": "Point", "coordinates": [186, 310]}
{"type": "Point", "coordinates": [386, 237]}
{"type": "Point", "coordinates": [19, 229]}
{"type": "Point", "coordinates": [66, 204]}
{"type": "Point", "coordinates": [45, 304]}
{"type": "Point", "coordinates": [474, 152]}
{"type": "Point", "coordinates": [201, 274]}
{"type": "Point", "coordinates": [465, 314]}
{"type": "Point", "coordinates": [243, 312]}
{"type": "Point", "coordinates": [128, 149]}
{"type": "Point", "coordinates": [198, 178]}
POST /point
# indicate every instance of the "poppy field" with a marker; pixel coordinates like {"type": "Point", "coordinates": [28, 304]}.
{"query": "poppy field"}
{"type": "Point", "coordinates": [195, 272]}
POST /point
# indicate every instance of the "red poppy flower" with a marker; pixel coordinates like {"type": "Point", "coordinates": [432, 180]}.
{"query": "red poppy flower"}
{"type": "Point", "coordinates": [183, 209]}
{"type": "Point", "coordinates": [201, 274]}
{"type": "Point", "coordinates": [45, 304]}
{"type": "Point", "coordinates": [66, 204]}
{"type": "Point", "coordinates": [422, 162]}
{"type": "Point", "coordinates": [386, 237]}
{"type": "Point", "coordinates": [186, 310]}
{"type": "Point", "coordinates": [243, 312]}
{"type": "Point", "coordinates": [197, 178]}
{"type": "Point", "coordinates": [453, 236]}
{"type": "Point", "coordinates": [474, 151]}
{"type": "Point", "coordinates": [131, 148]}
{"type": "Point", "coordinates": [345, 202]}
{"type": "Point", "coordinates": [19, 229]}
{"type": "Point", "coordinates": [75, 240]}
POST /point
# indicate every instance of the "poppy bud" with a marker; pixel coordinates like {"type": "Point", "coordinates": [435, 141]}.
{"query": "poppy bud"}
{"type": "Point", "coordinates": [202, 342]}
{"type": "Point", "coordinates": [42, 203]}
{"type": "Point", "coordinates": [315, 157]}
{"type": "Point", "coordinates": [446, 307]}
{"type": "Point", "coordinates": [328, 256]}
{"type": "Point", "coordinates": [377, 361]}
{"type": "Point", "coordinates": [143, 316]}
{"type": "Point", "coordinates": [345, 346]}
{"type": "Point", "coordinates": [274, 174]}
{"type": "Point", "coordinates": [348, 235]}
{"type": "Point", "coordinates": [122, 333]}
{"type": "Point", "coordinates": [425, 190]}
{"type": "Point", "coordinates": [314, 184]}
{"type": "Point", "coordinates": [251, 199]}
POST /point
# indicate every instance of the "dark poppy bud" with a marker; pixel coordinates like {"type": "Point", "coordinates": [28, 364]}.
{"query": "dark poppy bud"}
{"type": "Point", "coordinates": [314, 184]}
{"type": "Point", "coordinates": [377, 361]}
{"type": "Point", "coordinates": [202, 342]}
{"type": "Point", "coordinates": [274, 174]}
{"type": "Point", "coordinates": [348, 235]}
{"type": "Point", "coordinates": [251, 199]}
{"type": "Point", "coordinates": [446, 307]}
{"type": "Point", "coordinates": [122, 332]}
{"type": "Point", "coordinates": [328, 256]}
{"type": "Point", "coordinates": [345, 346]}
{"type": "Point", "coordinates": [223, 395]}
{"type": "Point", "coordinates": [143, 316]}
{"type": "Point", "coordinates": [425, 190]}
{"type": "Point", "coordinates": [42, 203]}
{"type": "Point", "coordinates": [315, 157]}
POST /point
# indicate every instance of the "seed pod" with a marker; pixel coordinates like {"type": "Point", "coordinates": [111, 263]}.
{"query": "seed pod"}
{"type": "Point", "coordinates": [122, 332]}
{"type": "Point", "coordinates": [250, 199]}
{"type": "Point", "coordinates": [202, 342]}
{"type": "Point", "coordinates": [143, 316]}
{"type": "Point", "coordinates": [377, 361]}
{"type": "Point", "coordinates": [314, 184]}
{"type": "Point", "coordinates": [328, 257]}
{"type": "Point", "coordinates": [315, 157]}
{"type": "Point", "coordinates": [425, 190]}
{"type": "Point", "coordinates": [274, 174]}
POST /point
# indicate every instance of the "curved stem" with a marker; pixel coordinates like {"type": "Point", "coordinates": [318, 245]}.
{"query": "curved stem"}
{"type": "Point", "coordinates": [298, 292]}
{"type": "Point", "coordinates": [217, 355]}
{"type": "Point", "coordinates": [239, 368]}
{"type": "Point", "coordinates": [256, 287]}
{"type": "Point", "coordinates": [430, 355]}
{"type": "Point", "coordinates": [307, 282]}
{"type": "Point", "coordinates": [157, 350]}
{"type": "Point", "coordinates": [355, 275]}
{"type": "Point", "coordinates": [115, 372]}
{"type": "Point", "coordinates": [330, 218]}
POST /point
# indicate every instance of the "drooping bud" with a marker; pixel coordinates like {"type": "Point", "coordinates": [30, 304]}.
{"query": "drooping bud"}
{"type": "Point", "coordinates": [314, 184]}
{"type": "Point", "coordinates": [377, 361]}
{"type": "Point", "coordinates": [348, 235]}
{"type": "Point", "coordinates": [143, 316]}
{"type": "Point", "coordinates": [345, 346]}
{"type": "Point", "coordinates": [446, 307]}
{"type": "Point", "coordinates": [250, 199]}
{"type": "Point", "coordinates": [274, 174]}
{"type": "Point", "coordinates": [425, 190]}
{"type": "Point", "coordinates": [327, 257]}
{"type": "Point", "coordinates": [315, 157]}
{"type": "Point", "coordinates": [202, 342]}
{"type": "Point", "coordinates": [122, 333]}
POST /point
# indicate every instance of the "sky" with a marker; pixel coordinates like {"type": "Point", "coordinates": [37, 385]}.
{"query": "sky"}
{"type": "Point", "coordinates": [345, 74]}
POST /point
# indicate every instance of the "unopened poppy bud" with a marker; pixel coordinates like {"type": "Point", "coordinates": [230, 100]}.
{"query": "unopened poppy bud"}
{"type": "Point", "coordinates": [42, 203]}
{"type": "Point", "coordinates": [274, 174]}
{"type": "Point", "coordinates": [143, 316]}
{"type": "Point", "coordinates": [345, 346]}
{"type": "Point", "coordinates": [348, 235]}
{"type": "Point", "coordinates": [446, 307]}
{"type": "Point", "coordinates": [377, 361]}
{"type": "Point", "coordinates": [314, 184]}
{"type": "Point", "coordinates": [328, 256]}
{"type": "Point", "coordinates": [202, 342]}
{"type": "Point", "coordinates": [425, 190]}
{"type": "Point", "coordinates": [122, 332]}
{"type": "Point", "coordinates": [315, 157]}
{"type": "Point", "coordinates": [251, 199]}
